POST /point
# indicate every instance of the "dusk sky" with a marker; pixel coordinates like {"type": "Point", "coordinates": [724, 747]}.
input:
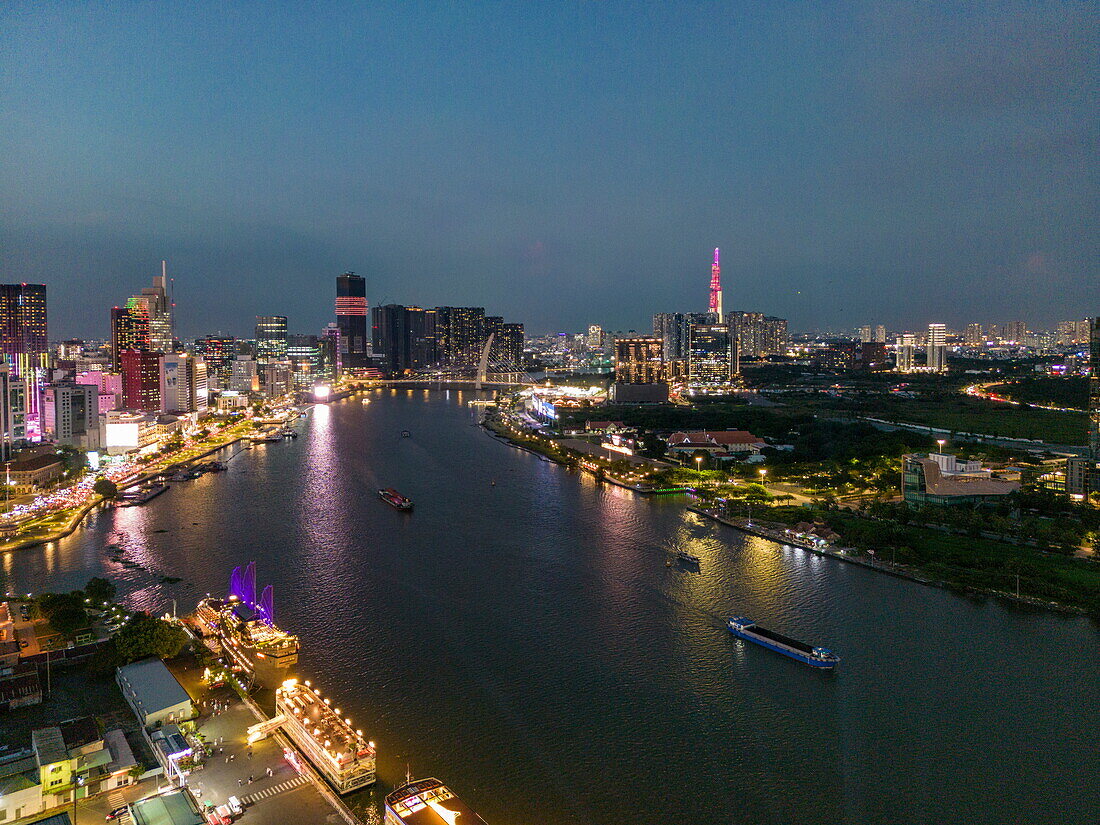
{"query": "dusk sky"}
{"type": "Point", "coordinates": [560, 163]}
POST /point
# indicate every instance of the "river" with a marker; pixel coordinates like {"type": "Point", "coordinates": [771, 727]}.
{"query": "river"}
{"type": "Point", "coordinates": [520, 637]}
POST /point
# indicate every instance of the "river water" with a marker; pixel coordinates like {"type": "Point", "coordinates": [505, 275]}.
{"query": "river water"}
{"type": "Point", "coordinates": [525, 642]}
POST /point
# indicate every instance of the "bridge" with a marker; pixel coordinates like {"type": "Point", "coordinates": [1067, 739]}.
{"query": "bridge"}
{"type": "Point", "coordinates": [483, 379]}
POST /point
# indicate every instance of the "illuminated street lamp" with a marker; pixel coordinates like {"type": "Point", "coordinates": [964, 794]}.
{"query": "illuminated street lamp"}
{"type": "Point", "coordinates": [941, 442]}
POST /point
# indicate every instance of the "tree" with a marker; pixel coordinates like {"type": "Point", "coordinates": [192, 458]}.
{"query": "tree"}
{"type": "Point", "coordinates": [146, 636]}
{"type": "Point", "coordinates": [99, 590]}
{"type": "Point", "coordinates": [105, 488]}
{"type": "Point", "coordinates": [68, 619]}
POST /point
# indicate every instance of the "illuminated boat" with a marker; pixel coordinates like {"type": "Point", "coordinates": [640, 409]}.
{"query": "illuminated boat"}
{"type": "Point", "coordinates": [395, 499]}
{"type": "Point", "coordinates": [342, 755]}
{"type": "Point", "coordinates": [750, 631]}
{"type": "Point", "coordinates": [427, 802]}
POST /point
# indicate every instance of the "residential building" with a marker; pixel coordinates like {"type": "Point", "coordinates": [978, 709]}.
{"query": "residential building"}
{"type": "Point", "coordinates": [904, 348]}
{"type": "Point", "coordinates": [936, 348]}
{"type": "Point", "coordinates": [938, 478]}
{"type": "Point", "coordinates": [879, 336]}
{"type": "Point", "coordinates": [1083, 472]}
{"type": "Point", "coordinates": [67, 760]}
{"type": "Point", "coordinates": [975, 335]}
{"type": "Point", "coordinates": [277, 379]}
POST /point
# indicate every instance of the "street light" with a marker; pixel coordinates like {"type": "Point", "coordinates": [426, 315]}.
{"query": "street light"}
{"type": "Point", "coordinates": [941, 442]}
{"type": "Point", "coordinates": [79, 784]}
{"type": "Point", "coordinates": [698, 462]}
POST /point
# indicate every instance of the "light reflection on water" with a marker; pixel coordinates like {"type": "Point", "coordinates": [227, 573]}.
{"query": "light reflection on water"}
{"type": "Point", "coordinates": [526, 642]}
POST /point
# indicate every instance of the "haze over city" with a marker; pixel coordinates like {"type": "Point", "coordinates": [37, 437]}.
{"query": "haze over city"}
{"type": "Point", "coordinates": [564, 163]}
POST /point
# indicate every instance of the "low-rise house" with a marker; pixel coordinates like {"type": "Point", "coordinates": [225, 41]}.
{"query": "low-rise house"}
{"type": "Point", "coordinates": [718, 444]}
{"type": "Point", "coordinates": [67, 759]}
{"type": "Point", "coordinates": [153, 693]}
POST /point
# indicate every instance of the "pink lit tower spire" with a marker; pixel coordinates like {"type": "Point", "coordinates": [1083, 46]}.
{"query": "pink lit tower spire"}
{"type": "Point", "coordinates": [715, 307]}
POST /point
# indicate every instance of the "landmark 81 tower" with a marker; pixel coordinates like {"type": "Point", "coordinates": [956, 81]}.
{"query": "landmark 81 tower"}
{"type": "Point", "coordinates": [715, 307]}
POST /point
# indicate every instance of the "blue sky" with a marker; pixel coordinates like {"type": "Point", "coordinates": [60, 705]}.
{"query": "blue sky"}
{"type": "Point", "coordinates": [561, 163]}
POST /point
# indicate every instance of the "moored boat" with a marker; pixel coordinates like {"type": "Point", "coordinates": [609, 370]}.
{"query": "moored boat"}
{"type": "Point", "coordinates": [395, 499]}
{"type": "Point", "coordinates": [750, 631]}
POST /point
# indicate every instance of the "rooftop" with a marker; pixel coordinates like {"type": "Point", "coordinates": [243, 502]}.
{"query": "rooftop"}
{"type": "Point", "coordinates": [430, 802]}
{"type": "Point", "coordinates": [49, 745]}
{"type": "Point", "coordinates": [153, 685]}
{"type": "Point", "coordinates": [169, 809]}
{"type": "Point", "coordinates": [341, 742]}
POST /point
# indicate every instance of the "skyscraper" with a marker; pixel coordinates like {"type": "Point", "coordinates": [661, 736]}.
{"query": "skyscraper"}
{"type": "Point", "coordinates": [23, 328]}
{"type": "Point", "coordinates": [975, 336]}
{"type": "Point", "coordinates": [880, 334]}
{"type": "Point", "coordinates": [129, 330]}
{"type": "Point", "coordinates": [183, 383]}
{"type": "Point", "coordinates": [711, 355]}
{"type": "Point", "coordinates": [270, 338]}
{"type": "Point", "coordinates": [218, 351]}
{"type": "Point", "coordinates": [23, 342]}
{"type": "Point", "coordinates": [936, 347]}
{"type": "Point", "coordinates": [158, 312]}
{"type": "Point", "coordinates": [351, 317]}
{"type": "Point", "coordinates": [715, 305]}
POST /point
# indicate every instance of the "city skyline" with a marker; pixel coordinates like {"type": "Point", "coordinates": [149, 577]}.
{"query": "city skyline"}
{"type": "Point", "coordinates": [563, 164]}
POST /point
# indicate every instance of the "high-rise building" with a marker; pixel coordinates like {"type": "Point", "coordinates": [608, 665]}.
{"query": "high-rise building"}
{"type": "Point", "coordinates": [594, 339]}
{"type": "Point", "coordinates": [758, 335]}
{"type": "Point", "coordinates": [711, 355]}
{"type": "Point", "coordinates": [218, 351]}
{"type": "Point", "coordinates": [936, 347]}
{"type": "Point", "coordinates": [639, 360]}
{"type": "Point", "coordinates": [23, 342]}
{"type": "Point", "coordinates": [270, 338]}
{"type": "Point", "coordinates": [880, 334]}
{"type": "Point", "coordinates": [12, 423]}
{"type": "Point", "coordinates": [1083, 472]}
{"type": "Point", "coordinates": [905, 346]}
{"type": "Point", "coordinates": [975, 336]}
{"type": "Point", "coordinates": [23, 336]}
{"type": "Point", "coordinates": [511, 347]}
{"type": "Point", "coordinates": [129, 330]}
{"type": "Point", "coordinates": [141, 380]}
{"type": "Point", "coordinates": [351, 318]}
{"type": "Point", "coordinates": [158, 312]}
{"type": "Point", "coordinates": [865, 334]}
{"type": "Point", "coordinates": [183, 383]}
{"type": "Point", "coordinates": [70, 415]}
{"type": "Point", "coordinates": [245, 377]}
{"type": "Point", "coordinates": [464, 337]}
{"type": "Point", "coordinates": [714, 307]}
{"type": "Point", "coordinates": [1073, 332]}
{"type": "Point", "coordinates": [307, 360]}
{"type": "Point", "coordinates": [331, 335]}
{"type": "Point", "coordinates": [673, 331]}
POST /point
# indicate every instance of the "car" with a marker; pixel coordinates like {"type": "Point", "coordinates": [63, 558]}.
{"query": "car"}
{"type": "Point", "coordinates": [235, 805]}
{"type": "Point", "coordinates": [118, 812]}
{"type": "Point", "coordinates": [225, 813]}
{"type": "Point", "coordinates": [214, 818]}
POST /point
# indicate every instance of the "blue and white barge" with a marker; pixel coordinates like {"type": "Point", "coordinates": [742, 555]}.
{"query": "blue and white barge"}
{"type": "Point", "coordinates": [750, 631]}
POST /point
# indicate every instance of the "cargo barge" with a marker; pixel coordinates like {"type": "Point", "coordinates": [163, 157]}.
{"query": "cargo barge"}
{"type": "Point", "coordinates": [395, 499]}
{"type": "Point", "coordinates": [750, 631]}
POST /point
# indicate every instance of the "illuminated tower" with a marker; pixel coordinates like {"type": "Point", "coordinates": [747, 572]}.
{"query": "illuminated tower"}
{"type": "Point", "coordinates": [715, 307]}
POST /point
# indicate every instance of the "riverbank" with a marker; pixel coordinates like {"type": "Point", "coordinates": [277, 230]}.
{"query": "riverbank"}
{"type": "Point", "coordinates": [775, 531]}
{"type": "Point", "coordinates": [73, 519]}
